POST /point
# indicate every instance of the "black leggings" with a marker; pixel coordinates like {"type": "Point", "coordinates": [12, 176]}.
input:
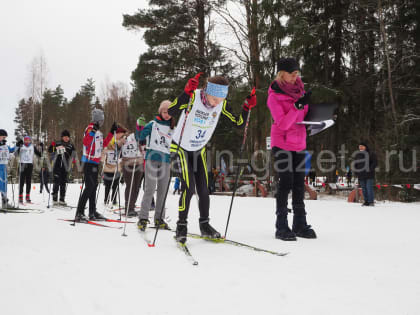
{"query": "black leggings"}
{"type": "Point", "coordinates": [109, 180]}
{"type": "Point", "coordinates": [192, 167]}
{"type": "Point", "coordinates": [60, 183]}
{"type": "Point", "coordinates": [89, 192]}
{"type": "Point", "coordinates": [25, 177]}
{"type": "Point", "coordinates": [290, 168]}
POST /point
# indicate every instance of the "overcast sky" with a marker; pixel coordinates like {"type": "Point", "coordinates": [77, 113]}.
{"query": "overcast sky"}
{"type": "Point", "coordinates": [80, 39]}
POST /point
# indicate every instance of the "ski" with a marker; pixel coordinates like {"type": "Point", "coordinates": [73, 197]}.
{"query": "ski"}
{"type": "Point", "coordinates": [122, 208]}
{"type": "Point", "coordinates": [145, 238]}
{"type": "Point", "coordinates": [21, 210]}
{"type": "Point", "coordinates": [63, 206]}
{"type": "Point", "coordinates": [67, 208]}
{"type": "Point", "coordinates": [92, 223]}
{"type": "Point", "coordinates": [238, 244]}
{"type": "Point", "coordinates": [16, 211]}
{"type": "Point", "coordinates": [187, 252]}
{"type": "Point", "coordinates": [118, 221]}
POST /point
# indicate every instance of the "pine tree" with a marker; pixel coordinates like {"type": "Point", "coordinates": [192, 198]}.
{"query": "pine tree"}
{"type": "Point", "coordinates": [179, 47]}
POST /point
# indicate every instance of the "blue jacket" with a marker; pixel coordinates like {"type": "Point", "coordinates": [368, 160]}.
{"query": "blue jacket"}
{"type": "Point", "coordinates": [146, 132]}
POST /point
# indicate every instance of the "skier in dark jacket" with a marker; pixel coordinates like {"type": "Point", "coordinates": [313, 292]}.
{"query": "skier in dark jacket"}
{"type": "Point", "coordinates": [364, 168]}
{"type": "Point", "coordinates": [62, 154]}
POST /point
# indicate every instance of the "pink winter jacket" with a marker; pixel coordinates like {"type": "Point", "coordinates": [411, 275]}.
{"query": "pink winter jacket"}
{"type": "Point", "coordinates": [285, 133]}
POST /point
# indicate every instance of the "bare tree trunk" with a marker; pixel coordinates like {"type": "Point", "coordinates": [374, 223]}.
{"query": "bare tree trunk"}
{"type": "Point", "coordinates": [251, 8]}
{"type": "Point", "coordinates": [388, 63]}
{"type": "Point", "coordinates": [201, 35]}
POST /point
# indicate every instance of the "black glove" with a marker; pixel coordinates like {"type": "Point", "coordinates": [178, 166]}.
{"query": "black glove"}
{"type": "Point", "coordinates": [3, 142]}
{"type": "Point", "coordinates": [305, 99]}
{"type": "Point", "coordinates": [114, 127]}
{"type": "Point", "coordinates": [95, 127]}
{"type": "Point", "coordinates": [41, 146]}
{"type": "Point", "coordinates": [19, 143]}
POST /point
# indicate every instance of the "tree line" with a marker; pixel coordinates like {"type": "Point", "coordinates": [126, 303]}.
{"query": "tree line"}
{"type": "Point", "coordinates": [363, 55]}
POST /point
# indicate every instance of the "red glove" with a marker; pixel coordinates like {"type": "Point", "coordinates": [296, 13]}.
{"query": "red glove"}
{"type": "Point", "coordinates": [251, 101]}
{"type": "Point", "coordinates": [53, 143]}
{"type": "Point", "coordinates": [192, 84]}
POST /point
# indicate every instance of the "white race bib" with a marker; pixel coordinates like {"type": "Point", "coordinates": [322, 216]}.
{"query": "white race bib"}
{"type": "Point", "coordinates": [27, 154]}
{"type": "Point", "coordinates": [130, 149]}
{"type": "Point", "coordinates": [111, 158]}
{"type": "Point", "coordinates": [160, 138]}
{"type": "Point", "coordinates": [200, 125]}
{"type": "Point", "coordinates": [4, 154]}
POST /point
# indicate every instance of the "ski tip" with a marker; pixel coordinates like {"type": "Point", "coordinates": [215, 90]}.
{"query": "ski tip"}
{"type": "Point", "coordinates": [150, 245]}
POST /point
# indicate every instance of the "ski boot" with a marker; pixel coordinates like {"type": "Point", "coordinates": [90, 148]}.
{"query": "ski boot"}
{"type": "Point", "coordinates": [20, 198]}
{"type": "Point", "coordinates": [80, 217]}
{"type": "Point", "coordinates": [96, 216]}
{"type": "Point", "coordinates": [365, 204]}
{"type": "Point", "coordinates": [62, 203]}
{"type": "Point", "coordinates": [161, 224]}
{"type": "Point", "coordinates": [142, 224]}
{"type": "Point", "coordinates": [207, 230]}
{"type": "Point", "coordinates": [28, 199]}
{"type": "Point", "coordinates": [181, 232]}
{"type": "Point", "coordinates": [131, 214]}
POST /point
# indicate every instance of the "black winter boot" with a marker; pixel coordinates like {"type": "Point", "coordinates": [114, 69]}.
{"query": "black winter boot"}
{"type": "Point", "coordinates": [181, 231]}
{"type": "Point", "coordinates": [300, 226]}
{"type": "Point", "coordinates": [207, 230]}
{"type": "Point", "coordinates": [80, 217]}
{"type": "Point", "coordinates": [283, 231]}
{"type": "Point", "coordinates": [96, 216]}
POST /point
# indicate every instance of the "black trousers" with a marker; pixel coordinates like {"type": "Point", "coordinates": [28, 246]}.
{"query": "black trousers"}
{"type": "Point", "coordinates": [290, 168]}
{"type": "Point", "coordinates": [90, 171]}
{"type": "Point", "coordinates": [108, 177]}
{"type": "Point", "coordinates": [25, 177]}
{"type": "Point", "coordinates": [192, 169]}
{"type": "Point", "coordinates": [60, 183]}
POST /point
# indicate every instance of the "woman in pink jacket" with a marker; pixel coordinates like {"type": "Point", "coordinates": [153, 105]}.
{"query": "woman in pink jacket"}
{"type": "Point", "coordinates": [287, 101]}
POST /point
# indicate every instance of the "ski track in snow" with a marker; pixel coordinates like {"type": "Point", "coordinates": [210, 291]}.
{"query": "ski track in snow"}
{"type": "Point", "coordinates": [365, 261]}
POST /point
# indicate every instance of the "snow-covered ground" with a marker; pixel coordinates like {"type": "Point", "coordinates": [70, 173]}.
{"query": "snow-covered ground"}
{"type": "Point", "coordinates": [365, 261]}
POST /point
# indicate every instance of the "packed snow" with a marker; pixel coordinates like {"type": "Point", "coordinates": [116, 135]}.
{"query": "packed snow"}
{"type": "Point", "coordinates": [365, 261]}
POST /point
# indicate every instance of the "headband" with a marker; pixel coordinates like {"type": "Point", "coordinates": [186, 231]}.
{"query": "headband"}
{"type": "Point", "coordinates": [217, 90]}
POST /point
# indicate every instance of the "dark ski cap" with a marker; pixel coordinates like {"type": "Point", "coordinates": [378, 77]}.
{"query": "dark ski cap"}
{"type": "Point", "coordinates": [287, 64]}
{"type": "Point", "coordinates": [3, 132]}
{"type": "Point", "coordinates": [65, 133]}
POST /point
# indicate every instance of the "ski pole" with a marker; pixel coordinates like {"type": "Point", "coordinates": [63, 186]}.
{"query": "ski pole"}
{"type": "Point", "coordinates": [19, 170]}
{"type": "Point", "coordinates": [52, 180]}
{"type": "Point", "coordinates": [170, 173]}
{"type": "Point", "coordinates": [239, 169]}
{"type": "Point", "coordinates": [127, 204]}
{"type": "Point", "coordinates": [13, 190]}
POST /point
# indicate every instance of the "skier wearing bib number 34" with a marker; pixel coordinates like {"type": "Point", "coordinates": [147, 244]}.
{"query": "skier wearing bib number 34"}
{"type": "Point", "coordinates": [204, 108]}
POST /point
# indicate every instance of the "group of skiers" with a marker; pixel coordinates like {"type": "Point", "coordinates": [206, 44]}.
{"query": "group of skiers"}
{"type": "Point", "coordinates": [180, 132]}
